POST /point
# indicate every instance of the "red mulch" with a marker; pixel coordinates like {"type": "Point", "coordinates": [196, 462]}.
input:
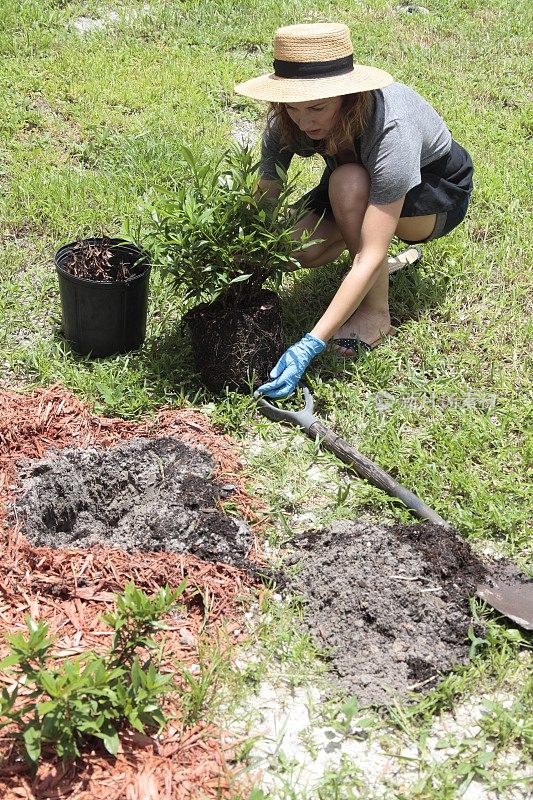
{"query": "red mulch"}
{"type": "Point", "coordinates": [70, 589]}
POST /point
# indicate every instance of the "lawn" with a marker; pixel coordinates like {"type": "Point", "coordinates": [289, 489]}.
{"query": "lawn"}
{"type": "Point", "coordinates": [92, 119]}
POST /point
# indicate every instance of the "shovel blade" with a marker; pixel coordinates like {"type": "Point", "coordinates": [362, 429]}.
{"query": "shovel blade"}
{"type": "Point", "coordinates": [513, 600]}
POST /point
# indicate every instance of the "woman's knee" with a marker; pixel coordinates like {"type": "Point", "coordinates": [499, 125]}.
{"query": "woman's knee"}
{"type": "Point", "coordinates": [349, 187]}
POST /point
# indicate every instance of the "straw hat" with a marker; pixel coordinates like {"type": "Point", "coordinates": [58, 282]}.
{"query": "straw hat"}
{"type": "Point", "coordinates": [312, 62]}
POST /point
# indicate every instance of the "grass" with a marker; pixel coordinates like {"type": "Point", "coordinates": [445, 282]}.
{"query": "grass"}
{"type": "Point", "coordinates": [89, 122]}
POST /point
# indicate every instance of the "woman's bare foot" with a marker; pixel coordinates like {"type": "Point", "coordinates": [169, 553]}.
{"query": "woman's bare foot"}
{"type": "Point", "coordinates": [367, 328]}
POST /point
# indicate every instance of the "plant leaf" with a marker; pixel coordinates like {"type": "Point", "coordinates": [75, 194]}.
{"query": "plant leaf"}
{"type": "Point", "coordinates": [110, 740]}
{"type": "Point", "coordinates": [32, 742]}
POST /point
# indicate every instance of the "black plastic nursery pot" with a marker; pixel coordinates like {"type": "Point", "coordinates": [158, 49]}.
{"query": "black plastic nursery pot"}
{"type": "Point", "coordinates": [235, 342]}
{"type": "Point", "coordinates": [104, 318]}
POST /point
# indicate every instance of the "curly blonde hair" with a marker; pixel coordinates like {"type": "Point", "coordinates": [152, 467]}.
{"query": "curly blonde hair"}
{"type": "Point", "coordinates": [350, 123]}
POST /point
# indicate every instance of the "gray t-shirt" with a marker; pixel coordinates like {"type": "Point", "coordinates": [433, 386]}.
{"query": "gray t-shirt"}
{"type": "Point", "coordinates": [404, 134]}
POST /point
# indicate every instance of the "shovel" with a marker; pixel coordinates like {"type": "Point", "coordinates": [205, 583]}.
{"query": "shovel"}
{"type": "Point", "coordinates": [514, 599]}
{"type": "Point", "coordinates": [360, 464]}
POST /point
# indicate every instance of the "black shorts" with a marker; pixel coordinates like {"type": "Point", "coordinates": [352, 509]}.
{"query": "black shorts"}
{"type": "Point", "coordinates": [445, 190]}
{"type": "Point", "coordinates": [446, 221]}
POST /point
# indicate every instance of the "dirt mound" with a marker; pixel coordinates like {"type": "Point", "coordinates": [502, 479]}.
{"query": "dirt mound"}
{"type": "Point", "coordinates": [391, 602]}
{"type": "Point", "coordinates": [144, 494]}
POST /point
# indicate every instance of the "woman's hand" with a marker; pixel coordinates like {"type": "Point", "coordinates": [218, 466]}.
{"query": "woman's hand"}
{"type": "Point", "coordinates": [268, 191]}
{"type": "Point", "coordinates": [378, 228]}
{"type": "Point", "coordinates": [291, 366]}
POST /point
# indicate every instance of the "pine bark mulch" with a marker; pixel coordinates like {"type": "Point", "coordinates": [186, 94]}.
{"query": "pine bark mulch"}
{"type": "Point", "coordinates": [69, 589]}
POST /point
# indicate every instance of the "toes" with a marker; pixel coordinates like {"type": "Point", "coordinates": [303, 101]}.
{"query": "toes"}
{"type": "Point", "coordinates": [346, 352]}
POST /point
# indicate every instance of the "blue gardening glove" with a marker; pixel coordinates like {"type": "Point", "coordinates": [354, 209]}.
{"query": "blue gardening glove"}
{"type": "Point", "coordinates": [291, 367]}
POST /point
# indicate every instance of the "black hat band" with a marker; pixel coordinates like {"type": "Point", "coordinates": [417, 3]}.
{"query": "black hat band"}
{"type": "Point", "coordinates": [313, 69]}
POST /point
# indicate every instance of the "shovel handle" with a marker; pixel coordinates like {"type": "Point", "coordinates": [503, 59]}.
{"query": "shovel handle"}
{"type": "Point", "coordinates": [372, 473]}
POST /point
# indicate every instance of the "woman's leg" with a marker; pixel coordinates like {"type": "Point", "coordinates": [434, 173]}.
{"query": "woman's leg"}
{"type": "Point", "coordinates": [371, 320]}
{"type": "Point", "coordinates": [415, 229]}
{"type": "Point", "coordinates": [324, 252]}
{"type": "Point", "coordinates": [349, 188]}
{"type": "Point", "coordinates": [333, 245]}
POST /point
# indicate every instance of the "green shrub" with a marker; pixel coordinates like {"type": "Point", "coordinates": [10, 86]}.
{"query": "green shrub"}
{"type": "Point", "coordinates": [93, 695]}
{"type": "Point", "coordinates": [215, 232]}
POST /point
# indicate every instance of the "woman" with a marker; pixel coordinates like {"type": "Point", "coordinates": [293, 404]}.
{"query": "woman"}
{"type": "Point", "coordinates": [392, 169]}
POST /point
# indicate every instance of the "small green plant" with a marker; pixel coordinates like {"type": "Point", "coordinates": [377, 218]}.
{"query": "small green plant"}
{"type": "Point", "coordinates": [217, 232]}
{"type": "Point", "coordinates": [257, 794]}
{"type": "Point", "coordinates": [344, 782]}
{"type": "Point", "coordinates": [93, 695]}
{"type": "Point", "coordinates": [347, 717]}
{"type": "Point", "coordinates": [200, 687]}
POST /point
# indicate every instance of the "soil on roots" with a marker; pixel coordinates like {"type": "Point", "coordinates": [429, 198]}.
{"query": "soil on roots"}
{"type": "Point", "coordinates": [392, 603]}
{"type": "Point", "coordinates": [144, 494]}
{"type": "Point", "coordinates": [237, 343]}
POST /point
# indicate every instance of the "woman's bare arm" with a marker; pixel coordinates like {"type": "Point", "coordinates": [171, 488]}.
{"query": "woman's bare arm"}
{"type": "Point", "coordinates": [378, 228]}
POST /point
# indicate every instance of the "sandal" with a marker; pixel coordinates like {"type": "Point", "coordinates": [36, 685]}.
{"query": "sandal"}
{"type": "Point", "coordinates": [356, 344]}
{"type": "Point", "coordinates": [412, 255]}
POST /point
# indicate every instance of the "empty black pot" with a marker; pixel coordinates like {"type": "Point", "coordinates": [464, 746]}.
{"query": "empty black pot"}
{"type": "Point", "coordinates": [103, 318]}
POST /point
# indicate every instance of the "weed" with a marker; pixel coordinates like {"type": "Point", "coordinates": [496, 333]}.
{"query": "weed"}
{"type": "Point", "coordinates": [348, 717]}
{"type": "Point", "coordinates": [342, 783]}
{"type": "Point", "coordinates": [202, 684]}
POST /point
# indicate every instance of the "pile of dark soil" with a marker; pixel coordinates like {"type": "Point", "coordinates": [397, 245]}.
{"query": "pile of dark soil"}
{"type": "Point", "coordinates": [69, 590]}
{"type": "Point", "coordinates": [392, 603]}
{"type": "Point", "coordinates": [144, 494]}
